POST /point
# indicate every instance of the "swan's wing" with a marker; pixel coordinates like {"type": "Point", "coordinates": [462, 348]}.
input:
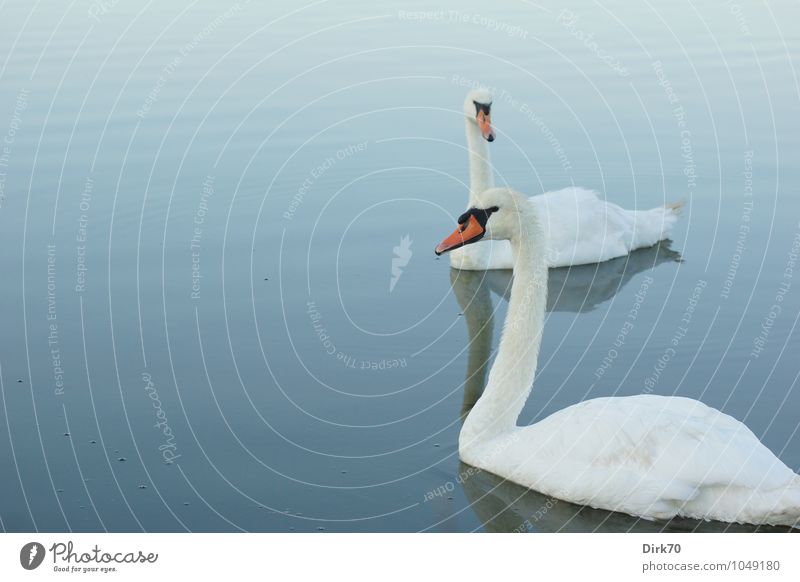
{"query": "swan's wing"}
{"type": "Point", "coordinates": [583, 228]}
{"type": "Point", "coordinates": [702, 446]}
{"type": "Point", "coordinates": [649, 455]}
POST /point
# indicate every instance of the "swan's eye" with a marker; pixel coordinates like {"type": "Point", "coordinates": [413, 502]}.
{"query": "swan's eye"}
{"type": "Point", "coordinates": [480, 214]}
{"type": "Point", "coordinates": [488, 212]}
{"type": "Point", "coordinates": [487, 109]}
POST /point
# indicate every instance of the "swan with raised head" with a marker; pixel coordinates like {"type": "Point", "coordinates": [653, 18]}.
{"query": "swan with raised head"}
{"type": "Point", "coordinates": [579, 227]}
{"type": "Point", "coordinates": [650, 456]}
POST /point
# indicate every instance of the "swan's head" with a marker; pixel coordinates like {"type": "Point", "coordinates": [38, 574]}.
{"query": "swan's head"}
{"type": "Point", "coordinates": [498, 214]}
{"type": "Point", "coordinates": [478, 109]}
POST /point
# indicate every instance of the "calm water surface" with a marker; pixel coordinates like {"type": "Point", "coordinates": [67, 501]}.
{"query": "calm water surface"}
{"type": "Point", "coordinates": [201, 204]}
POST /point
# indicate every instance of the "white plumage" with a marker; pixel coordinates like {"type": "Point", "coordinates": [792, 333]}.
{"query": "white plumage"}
{"type": "Point", "coordinates": [650, 456]}
{"type": "Point", "coordinates": [579, 226]}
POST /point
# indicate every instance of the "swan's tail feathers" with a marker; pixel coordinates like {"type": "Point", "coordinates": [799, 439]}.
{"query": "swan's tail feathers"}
{"type": "Point", "coordinates": [668, 217]}
{"type": "Point", "coordinates": [779, 507]}
{"type": "Point", "coordinates": [788, 510]}
{"type": "Point", "coordinates": [650, 226]}
{"type": "Point", "coordinates": [787, 513]}
{"type": "Point", "coordinates": [675, 207]}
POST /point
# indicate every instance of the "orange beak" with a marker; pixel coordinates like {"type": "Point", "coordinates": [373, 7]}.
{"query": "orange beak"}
{"type": "Point", "coordinates": [470, 231]}
{"type": "Point", "coordinates": [485, 125]}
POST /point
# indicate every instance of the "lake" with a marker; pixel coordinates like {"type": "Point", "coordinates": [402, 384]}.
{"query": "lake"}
{"type": "Point", "coordinates": [202, 204]}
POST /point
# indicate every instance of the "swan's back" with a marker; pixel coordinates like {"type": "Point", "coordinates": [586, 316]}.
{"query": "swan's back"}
{"type": "Point", "coordinates": [651, 456]}
{"type": "Point", "coordinates": [583, 228]}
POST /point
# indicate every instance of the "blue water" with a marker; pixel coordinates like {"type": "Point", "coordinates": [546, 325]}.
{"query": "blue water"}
{"type": "Point", "coordinates": [200, 208]}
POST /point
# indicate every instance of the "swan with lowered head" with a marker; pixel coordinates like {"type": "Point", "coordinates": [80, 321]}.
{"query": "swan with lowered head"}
{"type": "Point", "coordinates": [578, 226]}
{"type": "Point", "coordinates": [650, 456]}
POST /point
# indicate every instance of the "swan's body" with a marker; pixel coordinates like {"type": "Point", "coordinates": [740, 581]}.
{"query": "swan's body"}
{"type": "Point", "coordinates": [651, 456]}
{"type": "Point", "coordinates": [578, 226]}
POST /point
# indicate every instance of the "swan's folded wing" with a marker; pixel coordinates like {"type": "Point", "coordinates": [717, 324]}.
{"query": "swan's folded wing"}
{"type": "Point", "coordinates": [582, 228]}
{"type": "Point", "coordinates": [647, 455]}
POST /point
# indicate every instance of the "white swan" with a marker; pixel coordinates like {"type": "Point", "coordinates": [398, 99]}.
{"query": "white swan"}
{"type": "Point", "coordinates": [579, 227]}
{"type": "Point", "coordinates": [650, 456]}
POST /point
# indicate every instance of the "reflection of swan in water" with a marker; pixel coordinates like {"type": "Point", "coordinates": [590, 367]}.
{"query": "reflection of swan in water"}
{"type": "Point", "coordinates": [473, 295]}
{"type": "Point", "coordinates": [583, 288]}
{"type": "Point", "coordinates": [650, 456]}
{"type": "Point", "coordinates": [504, 506]}
{"type": "Point", "coordinates": [578, 289]}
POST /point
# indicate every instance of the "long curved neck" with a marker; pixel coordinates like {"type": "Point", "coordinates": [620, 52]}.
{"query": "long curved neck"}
{"type": "Point", "coordinates": [511, 377]}
{"type": "Point", "coordinates": [480, 167]}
